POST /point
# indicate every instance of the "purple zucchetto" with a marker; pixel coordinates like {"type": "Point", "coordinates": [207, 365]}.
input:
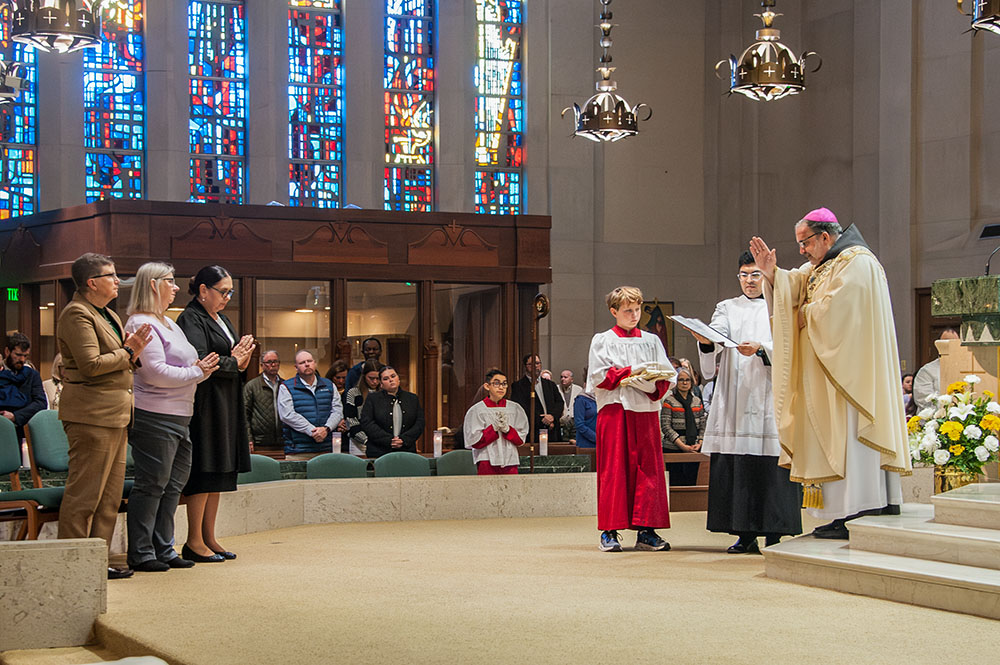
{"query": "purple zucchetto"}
{"type": "Point", "coordinates": [821, 215]}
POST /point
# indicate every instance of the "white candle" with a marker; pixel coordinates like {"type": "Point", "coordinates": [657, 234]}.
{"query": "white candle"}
{"type": "Point", "coordinates": [438, 442]}
{"type": "Point", "coordinates": [335, 443]}
{"type": "Point", "coordinates": [25, 460]}
{"type": "Point", "coordinates": [543, 442]}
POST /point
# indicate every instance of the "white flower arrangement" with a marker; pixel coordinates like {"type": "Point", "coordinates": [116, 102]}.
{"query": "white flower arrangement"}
{"type": "Point", "coordinates": [961, 434]}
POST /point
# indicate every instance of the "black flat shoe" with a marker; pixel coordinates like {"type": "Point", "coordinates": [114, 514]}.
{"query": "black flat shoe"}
{"type": "Point", "coordinates": [225, 554]}
{"type": "Point", "coordinates": [191, 555]}
{"type": "Point", "coordinates": [119, 573]}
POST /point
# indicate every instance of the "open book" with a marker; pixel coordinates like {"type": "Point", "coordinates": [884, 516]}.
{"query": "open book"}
{"type": "Point", "coordinates": [703, 329]}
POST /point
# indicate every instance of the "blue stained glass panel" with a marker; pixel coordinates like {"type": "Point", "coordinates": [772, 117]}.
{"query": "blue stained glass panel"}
{"type": "Point", "coordinates": [499, 108]}
{"type": "Point", "coordinates": [409, 83]}
{"type": "Point", "coordinates": [217, 61]}
{"type": "Point", "coordinates": [114, 106]}
{"type": "Point", "coordinates": [315, 105]}
{"type": "Point", "coordinates": [18, 130]}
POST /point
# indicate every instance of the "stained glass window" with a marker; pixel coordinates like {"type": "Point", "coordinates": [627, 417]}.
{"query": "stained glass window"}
{"type": "Point", "coordinates": [315, 103]}
{"type": "Point", "coordinates": [114, 105]}
{"type": "Point", "coordinates": [409, 105]}
{"type": "Point", "coordinates": [499, 108]}
{"type": "Point", "coordinates": [18, 127]}
{"type": "Point", "coordinates": [217, 61]}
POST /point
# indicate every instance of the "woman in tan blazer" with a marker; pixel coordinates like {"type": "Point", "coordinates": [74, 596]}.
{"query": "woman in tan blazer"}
{"type": "Point", "coordinates": [96, 403]}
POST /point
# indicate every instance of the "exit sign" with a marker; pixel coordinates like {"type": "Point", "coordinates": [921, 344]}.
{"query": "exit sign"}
{"type": "Point", "coordinates": [12, 294]}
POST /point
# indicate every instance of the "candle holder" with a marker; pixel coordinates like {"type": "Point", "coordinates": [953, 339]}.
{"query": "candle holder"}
{"type": "Point", "coordinates": [335, 442]}
{"type": "Point", "coordinates": [438, 442]}
{"type": "Point", "coordinates": [543, 442]}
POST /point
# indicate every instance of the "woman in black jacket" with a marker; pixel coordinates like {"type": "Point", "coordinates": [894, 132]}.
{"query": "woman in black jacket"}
{"type": "Point", "coordinates": [218, 427]}
{"type": "Point", "coordinates": [391, 429]}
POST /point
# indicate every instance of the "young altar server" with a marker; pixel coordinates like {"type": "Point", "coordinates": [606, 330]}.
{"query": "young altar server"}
{"type": "Point", "coordinates": [749, 495]}
{"type": "Point", "coordinates": [494, 428]}
{"type": "Point", "coordinates": [629, 374]}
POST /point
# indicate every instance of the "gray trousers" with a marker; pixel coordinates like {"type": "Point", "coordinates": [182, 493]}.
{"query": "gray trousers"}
{"type": "Point", "coordinates": [161, 448]}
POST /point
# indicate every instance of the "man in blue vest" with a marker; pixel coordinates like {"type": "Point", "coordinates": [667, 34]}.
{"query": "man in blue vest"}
{"type": "Point", "coordinates": [310, 408]}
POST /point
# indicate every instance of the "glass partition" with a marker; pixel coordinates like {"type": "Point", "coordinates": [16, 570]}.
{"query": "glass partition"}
{"type": "Point", "coordinates": [386, 311]}
{"type": "Point", "coordinates": [294, 315]}
{"type": "Point", "coordinates": [467, 330]}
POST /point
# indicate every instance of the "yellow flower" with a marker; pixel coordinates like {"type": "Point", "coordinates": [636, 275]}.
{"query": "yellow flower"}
{"type": "Point", "coordinates": [988, 394]}
{"type": "Point", "coordinates": [990, 422]}
{"type": "Point", "coordinates": [957, 387]}
{"type": "Point", "coordinates": [957, 449]}
{"type": "Point", "coordinates": [952, 430]}
{"type": "Point", "coordinates": [913, 424]}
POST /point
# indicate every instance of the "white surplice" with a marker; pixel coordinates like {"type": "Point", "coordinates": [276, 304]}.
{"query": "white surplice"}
{"type": "Point", "coordinates": [741, 420]}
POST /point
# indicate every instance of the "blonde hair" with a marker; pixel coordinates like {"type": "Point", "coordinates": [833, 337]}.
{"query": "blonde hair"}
{"type": "Point", "coordinates": [624, 295]}
{"type": "Point", "coordinates": [145, 298]}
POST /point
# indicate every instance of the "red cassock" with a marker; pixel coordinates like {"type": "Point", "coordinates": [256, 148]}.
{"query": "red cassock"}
{"type": "Point", "coordinates": [631, 482]}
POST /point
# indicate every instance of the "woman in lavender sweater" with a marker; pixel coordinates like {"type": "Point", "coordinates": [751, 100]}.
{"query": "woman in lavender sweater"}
{"type": "Point", "coordinates": [164, 400]}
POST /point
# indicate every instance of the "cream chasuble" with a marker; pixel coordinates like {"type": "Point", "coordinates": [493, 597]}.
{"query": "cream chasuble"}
{"type": "Point", "coordinates": [845, 354]}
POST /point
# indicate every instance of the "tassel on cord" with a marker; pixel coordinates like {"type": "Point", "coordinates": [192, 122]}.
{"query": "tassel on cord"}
{"type": "Point", "coordinates": [812, 496]}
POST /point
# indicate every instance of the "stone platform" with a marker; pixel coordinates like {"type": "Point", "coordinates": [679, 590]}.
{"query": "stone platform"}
{"type": "Point", "coordinates": [945, 555]}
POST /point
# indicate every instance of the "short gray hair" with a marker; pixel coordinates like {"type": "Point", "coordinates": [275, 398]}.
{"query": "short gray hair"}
{"type": "Point", "coordinates": [144, 298]}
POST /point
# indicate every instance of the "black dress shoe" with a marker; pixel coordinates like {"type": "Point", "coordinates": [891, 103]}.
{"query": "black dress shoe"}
{"type": "Point", "coordinates": [179, 562]}
{"type": "Point", "coordinates": [771, 540]}
{"type": "Point", "coordinates": [744, 546]}
{"type": "Point", "coordinates": [839, 532]}
{"type": "Point", "coordinates": [119, 573]}
{"type": "Point", "coordinates": [225, 554]}
{"type": "Point", "coordinates": [191, 555]}
{"type": "Point", "coordinates": [891, 509]}
{"type": "Point", "coordinates": [151, 566]}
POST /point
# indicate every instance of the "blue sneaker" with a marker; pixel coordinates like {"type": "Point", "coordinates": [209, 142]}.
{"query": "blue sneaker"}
{"type": "Point", "coordinates": [648, 541]}
{"type": "Point", "coordinates": [610, 542]}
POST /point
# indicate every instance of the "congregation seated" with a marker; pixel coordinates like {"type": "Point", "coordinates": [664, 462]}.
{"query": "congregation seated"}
{"type": "Point", "coordinates": [21, 392]}
{"type": "Point", "coordinates": [392, 418]}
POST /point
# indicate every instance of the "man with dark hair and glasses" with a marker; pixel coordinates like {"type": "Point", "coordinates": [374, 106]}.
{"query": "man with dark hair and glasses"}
{"type": "Point", "coordinates": [836, 366]}
{"type": "Point", "coordinates": [749, 495]}
{"type": "Point", "coordinates": [495, 427]}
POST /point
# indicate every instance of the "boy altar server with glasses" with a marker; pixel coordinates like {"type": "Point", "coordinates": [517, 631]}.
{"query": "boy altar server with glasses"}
{"type": "Point", "coordinates": [494, 428]}
{"type": "Point", "coordinates": [629, 374]}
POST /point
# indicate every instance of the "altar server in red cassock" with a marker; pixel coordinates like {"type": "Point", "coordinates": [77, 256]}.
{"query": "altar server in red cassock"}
{"type": "Point", "coordinates": [494, 428]}
{"type": "Point", "coordinates": [629, 373]}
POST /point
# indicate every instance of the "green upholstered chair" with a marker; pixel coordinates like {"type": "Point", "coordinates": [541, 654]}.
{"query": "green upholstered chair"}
{"type": "Point", "coordinates": [33, 506]}
{"type": "Point", "coordinates": [400, 464]}
{"type": "Point", "coordinates": [456, 463]}
{"type": "Point", "coordinates": [262, 469]}
{"type": "Point", "coordinates": [336, 465]}
{"type": "Point", "coordinates": [48, 448]}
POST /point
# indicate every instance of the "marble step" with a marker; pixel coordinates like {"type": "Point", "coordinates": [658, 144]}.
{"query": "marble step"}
{"type": "Point", "coordinates": [914, 533]}
{"type": "Point", "coordinates": [832, 564]}
{"type": "Point", "coordinates": [973, 505]}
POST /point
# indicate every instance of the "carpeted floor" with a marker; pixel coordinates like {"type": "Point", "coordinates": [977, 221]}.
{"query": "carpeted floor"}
{"type": "Point", "coordinates": [508, 591]}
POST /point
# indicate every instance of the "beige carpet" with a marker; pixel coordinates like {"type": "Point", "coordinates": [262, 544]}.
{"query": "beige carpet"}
{"type": "Point", "coordinates": [508, 591]}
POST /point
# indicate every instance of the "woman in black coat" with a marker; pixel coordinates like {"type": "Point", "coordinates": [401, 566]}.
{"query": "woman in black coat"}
{"type": "Point", "coordinates": [218, 429]}
{"type": "Point", "coordinates": [377, 417]}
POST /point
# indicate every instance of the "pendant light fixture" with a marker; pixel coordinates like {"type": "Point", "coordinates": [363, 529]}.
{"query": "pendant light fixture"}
{"type": "Point", "coordinates": [606, 116]}
{"type": "Point", "coordinates": [985, 14]}
{"type": "Point", "coordinates": [56, 26]}
{"type": "Point", "coordinates": [768, 69]}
